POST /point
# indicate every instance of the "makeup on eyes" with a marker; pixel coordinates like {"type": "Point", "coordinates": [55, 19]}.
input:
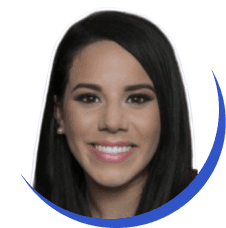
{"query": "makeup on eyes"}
{"type": "Point", "coordinates": [139, 98]}
{"type": "Point", "coordinates": [136, 98]}
{"type": "Point", "coordinates": [87, 98]}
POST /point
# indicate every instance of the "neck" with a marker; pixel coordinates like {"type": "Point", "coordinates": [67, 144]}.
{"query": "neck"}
{"type": "Point", "coordinates": [114, 202]}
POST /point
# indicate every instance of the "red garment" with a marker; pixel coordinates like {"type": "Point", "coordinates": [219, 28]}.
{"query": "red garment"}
{"type": "Point", "coordinates": [193, 174]}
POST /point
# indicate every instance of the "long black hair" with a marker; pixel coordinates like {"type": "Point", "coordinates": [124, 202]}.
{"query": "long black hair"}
{"type": "Point", "coordinates": [58, 176]}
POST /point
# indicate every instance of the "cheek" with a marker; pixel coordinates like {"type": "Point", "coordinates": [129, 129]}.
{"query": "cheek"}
{"type": "Point", "coordinates": [148, 125]}
{"type": "Point", "coordinates": [148, 129]}
{"type": "Point", "coordinates": [77, 123]}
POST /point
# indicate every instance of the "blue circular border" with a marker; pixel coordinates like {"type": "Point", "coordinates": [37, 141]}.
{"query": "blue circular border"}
{"type": "Point", "coordinates": [172, 205]}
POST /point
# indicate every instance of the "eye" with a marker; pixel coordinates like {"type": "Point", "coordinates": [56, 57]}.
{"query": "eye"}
{"type": "Point", "coordinates": [87, 98]}
{"type": "Point", "coordinates": [139, 98]}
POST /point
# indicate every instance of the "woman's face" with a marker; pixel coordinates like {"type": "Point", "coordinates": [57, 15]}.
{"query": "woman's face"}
{"type": "Point", "coordinates": [110, 114]}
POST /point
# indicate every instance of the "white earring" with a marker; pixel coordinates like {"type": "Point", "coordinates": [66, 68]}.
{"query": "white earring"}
{"type": "Point", "coordinates": [60, 130]}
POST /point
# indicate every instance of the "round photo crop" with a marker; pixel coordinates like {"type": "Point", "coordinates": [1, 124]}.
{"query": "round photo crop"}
{"type": "Point", "coordinates": [39, 69]}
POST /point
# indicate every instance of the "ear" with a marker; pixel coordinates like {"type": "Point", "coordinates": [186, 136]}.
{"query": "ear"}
{"type": "Point", "coordinates": [58, 115]}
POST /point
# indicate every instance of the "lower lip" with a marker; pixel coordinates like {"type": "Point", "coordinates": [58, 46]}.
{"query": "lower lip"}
{"type": "Point", "coordinates": [107, 157]}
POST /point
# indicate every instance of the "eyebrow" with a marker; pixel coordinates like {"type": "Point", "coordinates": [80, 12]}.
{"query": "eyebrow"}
{"type": "Point", "coordinates": [127, 88]}
{"type": "Point", "coordinates": [87, 85]}
{"type": "Point", "coordinates": [139, 86]}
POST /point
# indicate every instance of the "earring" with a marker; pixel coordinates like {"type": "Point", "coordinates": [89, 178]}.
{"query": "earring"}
{"type": "Point", "coordinates": [60, 130]}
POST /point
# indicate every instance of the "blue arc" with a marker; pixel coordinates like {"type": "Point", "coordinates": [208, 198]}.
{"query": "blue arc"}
{"type": "Point", "coordinates": [172, 205]}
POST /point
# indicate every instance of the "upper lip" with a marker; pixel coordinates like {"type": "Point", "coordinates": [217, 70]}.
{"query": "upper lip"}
{"type": "Point", "coordinates": [106, 143]}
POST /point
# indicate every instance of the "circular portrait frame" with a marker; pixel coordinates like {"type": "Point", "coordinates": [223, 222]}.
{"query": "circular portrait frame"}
{"type": "Point", "coordinates": [176, 203]}
{"type": "Point", "coordinates": [169, 207]}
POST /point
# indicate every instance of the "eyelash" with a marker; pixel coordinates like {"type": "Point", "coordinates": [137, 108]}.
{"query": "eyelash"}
{"type": "Point", "coordinates": [81, 98]}
{"type": "Point", "coordinates": [143, 98]}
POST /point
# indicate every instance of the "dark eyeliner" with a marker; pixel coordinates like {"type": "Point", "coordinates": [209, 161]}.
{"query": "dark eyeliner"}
{"type": "Point", "coordinates": [80, 98]}
{"type": "Point", "coordinates": [142, 98]}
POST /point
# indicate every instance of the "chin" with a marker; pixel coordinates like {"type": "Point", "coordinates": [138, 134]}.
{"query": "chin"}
{"type": "Point", "coordinates": [113, 179]}
{"type": "Point", "coordinates": [113, 184]}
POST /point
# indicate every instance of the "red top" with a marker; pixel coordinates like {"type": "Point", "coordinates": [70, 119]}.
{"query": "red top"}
{"type": "Point", "coordinates": [193, 174]}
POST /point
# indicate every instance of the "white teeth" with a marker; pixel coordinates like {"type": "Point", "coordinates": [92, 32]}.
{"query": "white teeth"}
{"type": "Point", "coordinates": [113, 150]}
{"type": "Point", "coordinates": [120, 149]}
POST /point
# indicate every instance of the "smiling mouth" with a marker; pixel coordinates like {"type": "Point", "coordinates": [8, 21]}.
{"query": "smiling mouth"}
{"type": "Point", "coordinates": [113, 153]}
{"type": "Point", "coordinates": [112, 150]}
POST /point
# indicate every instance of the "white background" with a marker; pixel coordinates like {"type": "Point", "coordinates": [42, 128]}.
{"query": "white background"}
{"type": "Point", "coordinates": [26, 82]}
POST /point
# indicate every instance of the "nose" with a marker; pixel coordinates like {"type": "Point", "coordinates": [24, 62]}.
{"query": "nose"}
{"type": "Point", "coordinates": [113, 119]}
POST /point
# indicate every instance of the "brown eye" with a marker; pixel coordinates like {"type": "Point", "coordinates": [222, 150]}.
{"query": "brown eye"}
{"type": "Point", "coordinates": [87, 98]}
{"type": "Point", "coordinates": [139, 98]}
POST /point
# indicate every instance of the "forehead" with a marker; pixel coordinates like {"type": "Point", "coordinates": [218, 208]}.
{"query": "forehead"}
{"type": "Point", "coordinates": [106, 62]}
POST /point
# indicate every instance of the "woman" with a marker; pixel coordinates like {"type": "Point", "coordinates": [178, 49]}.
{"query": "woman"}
{"type": "Point", "coordinates": [115, 139]}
